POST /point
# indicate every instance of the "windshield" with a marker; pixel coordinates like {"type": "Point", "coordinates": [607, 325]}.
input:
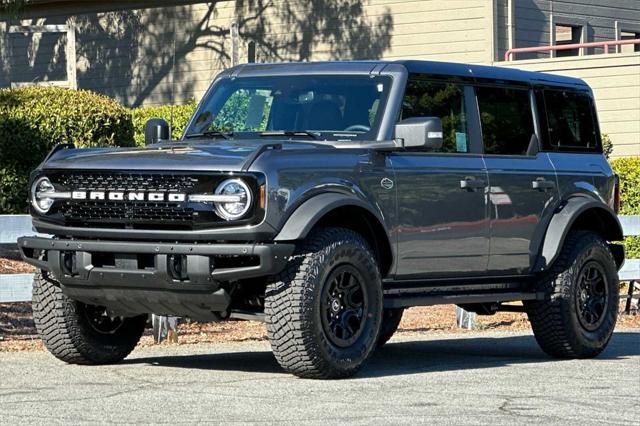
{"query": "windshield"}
{"type": "Point", "coordinates": [327, 107]}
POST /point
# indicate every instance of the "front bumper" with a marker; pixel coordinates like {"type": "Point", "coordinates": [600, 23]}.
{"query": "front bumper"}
{"type": "Point", "coordinates": [164, 278]}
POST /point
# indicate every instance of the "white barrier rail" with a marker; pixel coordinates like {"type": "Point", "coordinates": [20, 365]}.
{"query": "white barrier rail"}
{"type": "Point", "coordinates": [15, 287]}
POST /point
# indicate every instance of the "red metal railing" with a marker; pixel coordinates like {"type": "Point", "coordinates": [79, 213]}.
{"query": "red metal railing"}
{"type": "Point", "coordinates": [603, 44]}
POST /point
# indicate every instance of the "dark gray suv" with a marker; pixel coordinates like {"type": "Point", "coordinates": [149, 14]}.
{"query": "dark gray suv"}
{"type": "Point", "coordinates": [324, 198]}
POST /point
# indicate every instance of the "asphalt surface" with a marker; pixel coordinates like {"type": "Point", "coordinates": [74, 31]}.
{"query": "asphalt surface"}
{"type": "Point", "coordinates": [453, 379]}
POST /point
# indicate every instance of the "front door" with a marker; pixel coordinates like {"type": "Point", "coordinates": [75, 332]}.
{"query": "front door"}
{"type": "Point", "coordinates": [443, 228]}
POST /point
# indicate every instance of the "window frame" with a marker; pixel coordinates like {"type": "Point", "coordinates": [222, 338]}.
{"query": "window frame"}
{"type": "Point", "coordinates": [535, 116]}
{"type": "Point", "coordinates": [375, 131]}
{"type": "Point", "coordinates": [474, 132]}
{"type": "Point", "coordinates": [630, 27]}
{"type": "Point", "coordinates": [70, 53]}
{"type": "Point", "coordinates": [568, 21]}
{"type": "Point", "coordinates": [545, 142]}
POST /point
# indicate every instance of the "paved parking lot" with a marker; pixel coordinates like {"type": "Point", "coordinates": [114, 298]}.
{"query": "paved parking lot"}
{"type": "Point", "coordinates": [468, 379]}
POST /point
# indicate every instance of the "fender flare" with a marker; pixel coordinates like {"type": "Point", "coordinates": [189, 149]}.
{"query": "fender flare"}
{"type": "Point", "coordinates": [305, 216]}
{"type": "Point", "coordinates": [563, 220]}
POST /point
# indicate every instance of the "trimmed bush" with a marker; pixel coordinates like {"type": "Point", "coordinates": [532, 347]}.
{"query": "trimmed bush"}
{"type": "Point", "coordinates": [34, 119]}
{"type": "Point", "coordinates": [629, 171]}
{"type": "Point", "coordinates": [181, 116]}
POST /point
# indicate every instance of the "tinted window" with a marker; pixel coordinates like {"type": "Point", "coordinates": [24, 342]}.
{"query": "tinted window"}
{"type": "Point", "coordinates": [444, 100]}
{"type": "Point", "coordinates": [507, 123]}
{"type": "Point", "coordinates": [570, 119]}
{"type": "Point", "coordinates": [333, 107]}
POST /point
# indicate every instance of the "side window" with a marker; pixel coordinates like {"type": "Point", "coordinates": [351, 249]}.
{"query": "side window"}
{"type": "Point", "coordinates": [570, 119]}
{"type": "Point", "coordinates": [506, 119]}
{"type": "Point", "coordinates": [424, 98]}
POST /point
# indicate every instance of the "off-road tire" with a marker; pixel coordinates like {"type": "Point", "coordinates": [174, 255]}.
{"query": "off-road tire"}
{"type": "Point", "coordinates": [67, 334]}
{"type": "Point", "coordinates": [556, 320]}
{"type": "Point", "coordinates": [391, 318]}
{"type": "Point", "coordinates": [293, 306]}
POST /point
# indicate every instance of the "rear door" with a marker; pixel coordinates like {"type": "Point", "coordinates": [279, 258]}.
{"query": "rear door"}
{"type": "Point", "coordinates": [573, 142]}
{"type": "Point", "coordinates": [523, 188]}
{"type": "Point", "coordinates": [442, 211]}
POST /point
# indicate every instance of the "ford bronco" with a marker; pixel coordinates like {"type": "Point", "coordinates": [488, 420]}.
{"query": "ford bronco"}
{"type": "Point", "coordinates": [324, 199]}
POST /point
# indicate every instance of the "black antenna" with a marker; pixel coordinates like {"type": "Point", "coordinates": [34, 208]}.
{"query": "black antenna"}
{"type": "Point", "coordinates": [173, 81]}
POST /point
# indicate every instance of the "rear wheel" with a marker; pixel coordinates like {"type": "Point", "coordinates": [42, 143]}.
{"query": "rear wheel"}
{"type": "Point", "coordinates": [579, 314]}
{"type": "Point", "coordinates": [78, 333]}
{"type": "Point", "coordinates": [391, 318]}
{"type": "Point", "coordinates": [323, 312]}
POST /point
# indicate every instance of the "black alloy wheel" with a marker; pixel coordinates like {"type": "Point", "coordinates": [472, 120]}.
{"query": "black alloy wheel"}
{"type": "Point", "coordinates": [344, 302]}
{"type": "Point", "coordinates": [593, 296]}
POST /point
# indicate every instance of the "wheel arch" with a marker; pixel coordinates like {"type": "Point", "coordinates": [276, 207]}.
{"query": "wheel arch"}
{"type": "Point", "coordinates": [340, 210]}
{"type": "Point", "coordinates": [579, 213]}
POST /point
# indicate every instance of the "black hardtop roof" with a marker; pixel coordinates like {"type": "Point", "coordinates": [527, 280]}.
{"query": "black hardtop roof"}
{"type": "Point", "coordinates": [412, 66]}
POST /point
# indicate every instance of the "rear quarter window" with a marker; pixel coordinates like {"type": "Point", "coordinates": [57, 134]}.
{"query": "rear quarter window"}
{"type": "Point", "coordinates": [571, 121]}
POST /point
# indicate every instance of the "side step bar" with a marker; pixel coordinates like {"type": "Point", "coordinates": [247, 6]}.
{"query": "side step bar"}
{"type": "Point", "coordinates": [458, 299]}
{"type": "Point", "coordinates": [400, 294]}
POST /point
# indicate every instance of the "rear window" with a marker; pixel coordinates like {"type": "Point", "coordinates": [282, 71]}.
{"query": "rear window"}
{"type": "Point", "coordinates": [571, 121]}
{"type": "Point", "coordinates": [507, 121]}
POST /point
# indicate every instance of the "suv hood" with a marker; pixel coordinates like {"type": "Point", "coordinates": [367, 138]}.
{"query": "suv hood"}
{"type": "Point", "coordinates": [193, 155]}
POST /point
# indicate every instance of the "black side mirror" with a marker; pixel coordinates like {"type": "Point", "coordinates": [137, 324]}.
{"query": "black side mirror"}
{"type": "Point", "coordinates": [156, 130]}
{"type": "Point", "coordinates": [420, 132]}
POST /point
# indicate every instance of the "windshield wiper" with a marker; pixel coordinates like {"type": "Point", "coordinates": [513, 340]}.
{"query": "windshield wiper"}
{"type": "Point", "coordinates": [290, 133]}
{"type": "Point", "coordinates": [210, 134]}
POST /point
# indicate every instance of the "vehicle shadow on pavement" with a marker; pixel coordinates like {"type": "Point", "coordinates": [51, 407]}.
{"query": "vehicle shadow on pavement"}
{"type": "Point", "coordinates": [407, 357]}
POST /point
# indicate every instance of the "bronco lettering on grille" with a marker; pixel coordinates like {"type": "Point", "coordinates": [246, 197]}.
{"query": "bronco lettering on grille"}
{"type": "Point", "coordinates": [128, 196]}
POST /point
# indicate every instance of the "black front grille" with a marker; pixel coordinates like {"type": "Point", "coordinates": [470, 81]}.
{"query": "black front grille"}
{"type": "Point", "coordinates": [139, 214]}
{"type": "Point", "coordinates": [128, 181]}
{"type": "Point", "coordinates": [144, 211]}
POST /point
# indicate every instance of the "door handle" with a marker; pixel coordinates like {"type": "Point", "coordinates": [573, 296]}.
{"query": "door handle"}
{"type": "Point", "coordinates": [470, 183]}
{"type": "Point", "coordinates": [541, 184]}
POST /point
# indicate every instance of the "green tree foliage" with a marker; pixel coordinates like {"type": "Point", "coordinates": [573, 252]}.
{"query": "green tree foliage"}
{"type": "Point", "coordinates": [34, 119]}
{"type": "Point", "coordinates": [607, 146]}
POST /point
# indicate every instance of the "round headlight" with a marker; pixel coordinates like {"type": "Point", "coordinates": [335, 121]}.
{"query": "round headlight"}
{"type": "Point", "coordinates": [233, 209]}
{"type": "Point", "coordinates": [39, 191]}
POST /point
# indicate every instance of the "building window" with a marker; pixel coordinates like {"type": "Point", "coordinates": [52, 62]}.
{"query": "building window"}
{"type": "Point", "coordinates": [567, 34]}
{"type": "Point", "coordinates": [629, 35]}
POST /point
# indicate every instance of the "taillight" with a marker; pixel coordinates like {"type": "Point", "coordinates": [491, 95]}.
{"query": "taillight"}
{"type": "Point", "coordinates": [616, 193]}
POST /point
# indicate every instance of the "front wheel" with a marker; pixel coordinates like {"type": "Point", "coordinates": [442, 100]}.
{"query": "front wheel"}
{"type": "Point", "coordinates": [323, 311]}
{"type": "Point", "coordinates": [579, 314]}
{"type": "Point", "coordinates": [78, 333]}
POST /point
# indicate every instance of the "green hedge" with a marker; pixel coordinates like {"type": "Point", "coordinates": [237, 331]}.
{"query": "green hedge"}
{"type": "Point", "coordinates": [629, 171]}
{"type": "Point", "coordinates": [181, 116]}
{"type": "Point", "coordinates": [34, 119]}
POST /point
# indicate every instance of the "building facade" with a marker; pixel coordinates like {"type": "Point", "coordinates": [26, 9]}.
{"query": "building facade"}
{"type": "Point", "coordinates": [145, 53]}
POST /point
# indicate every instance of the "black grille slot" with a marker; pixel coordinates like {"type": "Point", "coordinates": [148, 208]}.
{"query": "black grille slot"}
{"type": "Point", "coordinates": [88, 210]}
